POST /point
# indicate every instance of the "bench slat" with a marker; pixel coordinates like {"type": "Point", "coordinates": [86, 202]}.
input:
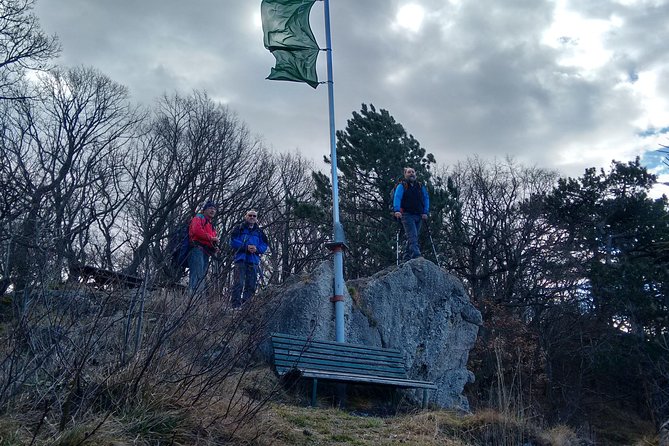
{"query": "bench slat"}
{"type": "Point", "coordinates": [337, 361]}
{"type": "Point", "coordinates": [340, 357]}
{"type": "Point", "coordinates": [289, 339]}
{"type": "Point", "coordinates": [325, 350]}
{"type": "Point", "coordinates": [339, 345]}
{"type": "Point", "coordinates": [349, 377]}
{"type": "Point", "coordinates": [339, 367]}
{"type": "Point", "coordinates": [358, 359]}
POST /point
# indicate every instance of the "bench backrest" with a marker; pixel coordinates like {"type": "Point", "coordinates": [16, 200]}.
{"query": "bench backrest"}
{"type": "Point", "coordinates": [293, 352]}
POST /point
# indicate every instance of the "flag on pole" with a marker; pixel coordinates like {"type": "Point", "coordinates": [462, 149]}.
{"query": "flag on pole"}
{"type": "Point", "coordinates": [288, 36]}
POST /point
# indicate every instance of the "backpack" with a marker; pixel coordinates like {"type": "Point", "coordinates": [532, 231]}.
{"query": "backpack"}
{"type": "Point", "coordinates": [178, 247]}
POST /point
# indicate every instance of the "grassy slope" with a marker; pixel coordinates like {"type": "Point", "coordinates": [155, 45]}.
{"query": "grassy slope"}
{"type": "Point", "coordinates": [292, 425]}
{"type": "Point", "coordinates": [304, 426]}
{"type": "Point", "coordinates": [284, 425]}
{"type": "Point", "coordinates": [287, 421]}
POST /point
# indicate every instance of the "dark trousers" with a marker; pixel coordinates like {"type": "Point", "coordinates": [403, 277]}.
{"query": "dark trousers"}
{"type": "Point", "coordinates": [245, 282]}
{"type": "Point", "coordinates": [411, 223]}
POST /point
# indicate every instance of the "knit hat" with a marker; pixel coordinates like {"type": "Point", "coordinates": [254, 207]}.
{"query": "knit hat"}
{"type": "Point", "coordinates": [208, 204]}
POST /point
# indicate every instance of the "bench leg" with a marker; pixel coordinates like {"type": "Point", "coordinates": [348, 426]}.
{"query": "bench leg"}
{"type": "Point", "coordinates": [342, 395]}
{"type": "Point", "coordinates": [424, 398]}
{"type": "Point", "coordinates": [313, 392]}
{"type": "Point", "coordinates": [395, 398]}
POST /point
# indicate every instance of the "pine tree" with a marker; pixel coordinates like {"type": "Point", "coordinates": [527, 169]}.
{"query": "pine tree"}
{"type": "Point", "coordinates": [615, 235]}
{"type": "Point", "coordinates": [371, 154]}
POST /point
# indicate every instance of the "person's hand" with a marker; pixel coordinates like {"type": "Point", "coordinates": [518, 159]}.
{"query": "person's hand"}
{"type": "Point", "coordinates": [424, 216]}
{"type": "Point", "coordinates": [251, 248]}
{"type": "Point", "coordinates": [398, 215]}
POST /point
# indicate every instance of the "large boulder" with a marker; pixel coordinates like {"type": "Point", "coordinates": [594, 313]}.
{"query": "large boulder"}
{"type": "Point", "coordinates": [417, 308]}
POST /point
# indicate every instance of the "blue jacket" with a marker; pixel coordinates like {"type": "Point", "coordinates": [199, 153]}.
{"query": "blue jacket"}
{"type": "Point", "coordinates": [243, 236]}
{"type": "Point", "coordinates": [399, 193]}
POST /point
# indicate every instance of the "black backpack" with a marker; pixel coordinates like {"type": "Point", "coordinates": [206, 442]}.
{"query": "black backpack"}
{"type": "Point", "coordinates": [178, 247]}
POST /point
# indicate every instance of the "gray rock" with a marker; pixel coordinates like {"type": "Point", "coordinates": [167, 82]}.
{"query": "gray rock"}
{"type": "Point", "coordinates": [417, 308]}
{"type": "Point", "coordinates": [304, 306]}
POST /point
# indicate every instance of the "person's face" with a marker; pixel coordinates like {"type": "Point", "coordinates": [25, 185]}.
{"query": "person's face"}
{"type": "Point", "coordinates": [210, 212]}
{"type": "Point", "coordinates": [410, 174]}
{"type": "Point", "coordinates": [251, 217]}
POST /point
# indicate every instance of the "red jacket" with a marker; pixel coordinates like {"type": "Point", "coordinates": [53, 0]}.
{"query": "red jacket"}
{"type": "Point", "coordinates": [201, 232]}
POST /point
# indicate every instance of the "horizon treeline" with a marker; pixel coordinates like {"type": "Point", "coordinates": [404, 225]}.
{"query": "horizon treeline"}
{"type": "Point", "coordinates": [571, 274]}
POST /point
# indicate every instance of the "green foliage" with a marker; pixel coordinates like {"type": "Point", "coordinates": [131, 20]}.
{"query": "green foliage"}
{"type": "Point", "coordinates": [616, 235]}
{"type": "Point", "coordinates": [615, 321]}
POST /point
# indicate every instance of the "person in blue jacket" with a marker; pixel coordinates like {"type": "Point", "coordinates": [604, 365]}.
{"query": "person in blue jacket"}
{"type": "Point", "coordinates": [248, 242]}
{"type": "Point", "coordinates": [411, 204]}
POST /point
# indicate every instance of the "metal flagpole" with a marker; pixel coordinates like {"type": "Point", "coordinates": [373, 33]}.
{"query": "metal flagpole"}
{"type": "Point", "coordinates": [338, 242]}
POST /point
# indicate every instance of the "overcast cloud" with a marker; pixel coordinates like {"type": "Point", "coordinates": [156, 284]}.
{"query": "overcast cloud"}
{"type": "Point", "coordinates": [561, 84]}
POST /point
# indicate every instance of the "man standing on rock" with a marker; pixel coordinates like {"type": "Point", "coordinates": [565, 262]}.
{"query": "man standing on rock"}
{"type": "Point", "coordinates": [249, 242]}
{"type": "Point", "coordinates": [411, 204]}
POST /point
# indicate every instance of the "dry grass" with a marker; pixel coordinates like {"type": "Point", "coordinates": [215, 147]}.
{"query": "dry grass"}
{"type": "Point", "coordinates": [302, 426]}
{"type": "Point", "coordinates": [286, 424]}
{"type": "Point", "coordinates": [305, 426]}
{"type": "Point", "coordinates": [560, 435]}
{"type": "Point", "coordinates": [178, 370]}
{"type": "Point", "coordinates": [616, 426]}
{"type": "Point", "coordinates": [195, 385]}
{"type": "Point", "coordinates": [159, 420]}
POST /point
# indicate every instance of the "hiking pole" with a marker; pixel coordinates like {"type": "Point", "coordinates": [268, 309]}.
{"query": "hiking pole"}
{"type": "Point", "coordinates": [397, 240]}
{"type": "Point", "coordinates": [397, 247]}
{"type": "Point", "coordinates": [434, 250]}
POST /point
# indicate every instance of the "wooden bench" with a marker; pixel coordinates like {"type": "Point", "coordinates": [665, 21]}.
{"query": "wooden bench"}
{"type": "Point", "coordinates": [340, 362]}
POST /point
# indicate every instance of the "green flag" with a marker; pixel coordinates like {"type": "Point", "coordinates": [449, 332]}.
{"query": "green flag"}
{"type": "Point", "coordinates": [288, 36]}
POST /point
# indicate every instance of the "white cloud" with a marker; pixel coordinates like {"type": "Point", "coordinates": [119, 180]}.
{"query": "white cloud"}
{"type": "Point", "coordinates": [579, 40]}
{"type": "Point", "coordinates": [410, 17]}
{"type": "Point", "coordinates": [640, 3]}
{"type": "Point", "coordinates": [559, 83]}
{"type": "Point", "coordinates": [655, 107]}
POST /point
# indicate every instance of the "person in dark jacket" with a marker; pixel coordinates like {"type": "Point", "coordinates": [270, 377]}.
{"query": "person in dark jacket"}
{"type": "Point", "coordinates": [411, 204]}
{"type": "Point", "coordinates": [203, 244]}
{"type": "Point", "coordinates": [248, 242]}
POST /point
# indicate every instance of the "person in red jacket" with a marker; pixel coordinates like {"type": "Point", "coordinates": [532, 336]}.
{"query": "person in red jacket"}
{"type": "Point", "coordinates": [203, 243]}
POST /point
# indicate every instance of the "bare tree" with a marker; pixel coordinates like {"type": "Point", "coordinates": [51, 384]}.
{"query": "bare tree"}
{"type": "Point", "coordinates": [23, 46]}
{"type": "Point", "coordinates": [112, 233]}
{"type": "Point", "coordinates": [498, 242]}
{"type": "Point", "coordinates": [496, 237]}
{"type": "Point", "coordinates": [193, 150]}
{"type": "Point", "coordinates": [297, 242]}
{"type": "Point", "coordinates": [168, 159]}
{"type": "Point", "coordinates": [61, 152]}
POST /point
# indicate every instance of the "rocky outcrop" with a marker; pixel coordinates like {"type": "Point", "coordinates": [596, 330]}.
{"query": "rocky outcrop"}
{"type": "Point", "coordinates": [417, 308]}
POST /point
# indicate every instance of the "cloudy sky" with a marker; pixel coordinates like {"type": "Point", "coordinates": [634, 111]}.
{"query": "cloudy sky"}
{"type": "Point", "coordinates": [563, 84]}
